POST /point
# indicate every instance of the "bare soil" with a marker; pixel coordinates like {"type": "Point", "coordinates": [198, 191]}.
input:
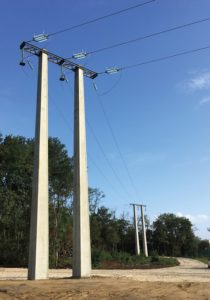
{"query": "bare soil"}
{"type": "Point", "coordinates": [190, 280]}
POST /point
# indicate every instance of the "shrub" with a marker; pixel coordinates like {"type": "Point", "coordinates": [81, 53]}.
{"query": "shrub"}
{"type": "Point", "coordinates": [98, 256]}
{"type": "Point", "coordinates": [154, 256]}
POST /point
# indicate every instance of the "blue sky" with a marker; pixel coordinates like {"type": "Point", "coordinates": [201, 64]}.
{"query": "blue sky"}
{"type": "Point", "coordinates": [159, 113]}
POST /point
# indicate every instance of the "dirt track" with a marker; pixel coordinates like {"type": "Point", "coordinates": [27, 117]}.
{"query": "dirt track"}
{"type": "Point", "coordinates": [190, 280]}
{"type": "Point", "coordinates": [190, 270]}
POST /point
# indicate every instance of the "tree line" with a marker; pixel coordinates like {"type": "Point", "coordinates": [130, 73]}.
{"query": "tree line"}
{"type": "Point", "coordinates": [167, 235]}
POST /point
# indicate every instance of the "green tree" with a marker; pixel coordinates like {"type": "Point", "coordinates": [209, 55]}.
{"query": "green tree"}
{"type": "Point", "coordinates": [174, 236]}
{"type": "Point", "coordinates": [60, 195]}
{"type": "Point", "coordinates": [95, 197]}
{"type": "Point", "coordinates": [203, 248]}
{"type": "Point", "coordinates": [104, 231]}
{"type": "Point", "coordinates": [16, 169]}
{"type": "Point", "coordinates": [15, 194]}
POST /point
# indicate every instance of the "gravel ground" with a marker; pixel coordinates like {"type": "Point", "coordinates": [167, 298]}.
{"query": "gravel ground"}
{"type": "Point", "coordinates": [189, 271]}
{"type": "Point", "coordinates": [189, 281]}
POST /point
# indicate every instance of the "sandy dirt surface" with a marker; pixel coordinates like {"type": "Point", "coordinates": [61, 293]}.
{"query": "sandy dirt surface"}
{"type": "Point", "coordinates": [190, 280]}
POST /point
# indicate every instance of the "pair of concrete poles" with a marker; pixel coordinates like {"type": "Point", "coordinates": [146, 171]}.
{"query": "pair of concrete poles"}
{"type": "Point", "coordinates": [39, 227]}
{"type": "Point", "coordinates": [137, 245]}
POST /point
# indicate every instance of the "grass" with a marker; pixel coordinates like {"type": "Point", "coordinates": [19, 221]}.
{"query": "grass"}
{"type": "Point", "coordinates": [123, 260]}
{"type": "Point", "coordinates": [202, 259]}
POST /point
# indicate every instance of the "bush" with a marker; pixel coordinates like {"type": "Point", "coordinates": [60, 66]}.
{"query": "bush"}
{"type": "Point", "coordinates": [124, 260]}
{"type": "Point", "coordinates": [98, 256]}
{"type": "Point", "coordinates": [154, 256]}
{"type": "Point", "coordinates": [122, 257]}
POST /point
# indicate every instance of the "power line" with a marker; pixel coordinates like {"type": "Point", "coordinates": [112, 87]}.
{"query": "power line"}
{"type": "Point", "coordinates": [110, 89]}
{"type": "Point", "coordinates": [117, 145]}
{"type": "Point", "coordinates": [101, 18]}
{"type": "Point", "coordinates": [107, 160]}
{"type": "Point", "coordinates": [101, 148]}
{"type": "Point", "coordinates": [160, 59]}
{"type": "Point", "coordinates": [97, 141]}
{"type": "Point", "coordinates": [148, 36]}
{"type": "Point", "coordinates": [46, 36]}
{"type": "Point", "coordinates": [103, 175]}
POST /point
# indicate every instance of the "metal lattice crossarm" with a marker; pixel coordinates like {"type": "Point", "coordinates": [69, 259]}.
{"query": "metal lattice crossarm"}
{"type": "Point", "coordinates": [65, 63]}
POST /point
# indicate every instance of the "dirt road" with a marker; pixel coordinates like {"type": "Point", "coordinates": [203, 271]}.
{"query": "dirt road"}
{"type": "Point", "coordinates": [190, 280]}
{"type": "Point", "coordinates": [189, 270]}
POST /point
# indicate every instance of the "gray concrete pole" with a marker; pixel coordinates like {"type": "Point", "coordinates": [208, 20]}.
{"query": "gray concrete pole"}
{"type": "Point", "coordinates": [81, 222]}
{"type": "Point", "coordinates": [136, 231]}
{"type": "Point", "coordinates": [39, 228]}
{"type": "Point", "coordinates": [145, 251]}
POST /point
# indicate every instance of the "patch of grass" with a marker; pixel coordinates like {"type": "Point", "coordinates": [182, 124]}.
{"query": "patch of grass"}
{"type": "Point", "coordinates": [99, 256]}
{"type": "Point", "coordinates": [167, 261]}
{"type": "Point", "coordinates": [202, 259]}
{"type": "Point", "coordinates": [123, 260]}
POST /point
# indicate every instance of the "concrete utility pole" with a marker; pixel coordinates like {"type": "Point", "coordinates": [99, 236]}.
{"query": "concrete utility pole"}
{"type": "Point", "coordinates": [39, 232]}
{"type": "Point", "coordinates": [81, 223]}
{"type": "Point", "coordinates": [145, 251]}
{"type": "Point", "coordinates": [38, 252]}
{"type": "Point", "coordinates": [136, 230]}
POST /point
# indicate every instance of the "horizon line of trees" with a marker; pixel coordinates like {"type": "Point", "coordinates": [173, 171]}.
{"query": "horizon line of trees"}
{"type": "Point", "coordinates": [168, 235]}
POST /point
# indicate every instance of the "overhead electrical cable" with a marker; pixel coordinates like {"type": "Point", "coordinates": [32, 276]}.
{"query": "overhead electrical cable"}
{"type": "Point", "coordinates": [117, 146]}
{"type": "Point", "coordinates": [106, 92]}
{"type": "Point", "coordinates": [97, 141]}
{"type": "Point", "coordinates": [107, 160]}
{"type": "Point", "coordinates": [67, 123]}
{"type": "Point", "coordinates": [102, 17]}
{"type": "Point", "coordinates": [159, 59]}
{"type": "Point", "coordinates": [105, 177]}
{"type": "Point", "coordinates": [46, 36]}
{"type": "Point", "coordinates": [148, 36]}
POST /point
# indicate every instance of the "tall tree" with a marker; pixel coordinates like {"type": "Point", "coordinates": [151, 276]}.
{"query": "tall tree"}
{"type": "Point", "coordinates": [16, 169]}
{"type": "Point", "coordinates": [15, 195]}
{"type": "Point", "coordinates": [60, 194]}
{"type": "Point", "coordinates": [174, 236]}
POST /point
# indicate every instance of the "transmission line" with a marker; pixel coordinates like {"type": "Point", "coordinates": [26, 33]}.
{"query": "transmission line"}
{"type": "Point", "coordinates": [117, 145]}
{"type": "Point", "coordinates": [159, 59]}
{"type": "Point", "coordinates": [99, 18]}
{"type": "Point", "coordinates": [147, 36]}
{"type": "Point", "coordinates": [97, 141]}
{"type": "Point", "coordinates": [107, 160]}
{"type": "Point", "coordinates": [103, 175]}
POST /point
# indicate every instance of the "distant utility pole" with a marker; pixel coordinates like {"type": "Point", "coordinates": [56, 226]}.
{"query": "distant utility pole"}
{"type": "Point", "coordinates": [145, 251]}
{"type": "Point", "coordinates": [136, 229]}
{"type": "Point", "coordinates": [39, 228]}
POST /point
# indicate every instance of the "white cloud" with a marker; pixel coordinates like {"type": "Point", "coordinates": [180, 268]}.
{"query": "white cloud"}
{"type": "Point", "coordinates": [198, 82]}
{"type": "Point", "coordinates": [200, 223]}
{"type": "Point", "coordinates": [202, 102]}
{"type": "Point", "coordinates": [195, 219]}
